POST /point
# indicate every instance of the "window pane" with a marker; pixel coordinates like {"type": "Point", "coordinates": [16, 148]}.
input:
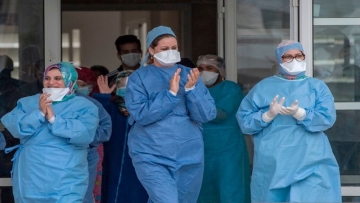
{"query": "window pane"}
{"type": "Point", "coordinates": [344, 139]}
{"type": "Point", "coordinates": [21, 61]}
{"type": "Point", "coordinates": [337, 59]}
{"type": "Point", "coordinates": [336, 8]}
{"type": "Point", "coordinates": [261, 25]}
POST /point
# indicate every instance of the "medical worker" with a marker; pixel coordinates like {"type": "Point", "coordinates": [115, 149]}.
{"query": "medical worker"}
{"type": "Point", "coordinates": [86, 83]}
{"type": "Point", "coordinates": [287, 114]}
{"type": "Point", "coordinates": [227, 167]}
{"type": "Point", "coordinates": [167, 103]}
{"type": "Point", "coordinates": [120, 183]}
{"type": "Point", "coordinates": [55, 129]}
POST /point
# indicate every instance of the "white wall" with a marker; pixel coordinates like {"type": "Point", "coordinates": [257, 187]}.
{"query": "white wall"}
{"type": "Point", "coordinates": [98, 32]}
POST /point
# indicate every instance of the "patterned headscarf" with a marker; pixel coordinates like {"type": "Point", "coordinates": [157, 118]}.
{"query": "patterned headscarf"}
{"type": "Point", "coordinates": [69, 76]}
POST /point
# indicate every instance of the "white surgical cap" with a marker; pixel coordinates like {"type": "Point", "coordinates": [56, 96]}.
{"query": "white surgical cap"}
{"type": "Point", "coordinates": [212, 60]}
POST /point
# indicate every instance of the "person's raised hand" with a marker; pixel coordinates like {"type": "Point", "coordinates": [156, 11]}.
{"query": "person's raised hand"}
{"type": "Point", "coordinates": [49, 112]}
{"type": "Point", "coordinates": [104, 88]}
{"type": "Point", "coordinates": [192, 78]}
{"type": "Point", "coordinates": [174, 81]}
{"type": "Point", "coordinates": [44, 102]}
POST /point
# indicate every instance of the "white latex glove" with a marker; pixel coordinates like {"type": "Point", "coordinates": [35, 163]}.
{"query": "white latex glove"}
{"type": "Point", "coordinates": [274, 109]}
{"type": "Point", "coordinates": [294, 110]}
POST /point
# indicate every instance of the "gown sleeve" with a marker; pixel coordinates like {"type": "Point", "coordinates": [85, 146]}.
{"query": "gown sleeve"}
{"type": "Point", "coordinates": [145, 110]}
{"type": "Point", "coordinates": [22, 123]}
{"type": "Point", "coordinates": [200, 103]}
{"type": "Point", "coordinates": [81, 130]}
{"type": "Point", "coordinates": [323, 116]}
{"type": "Point", "coordinates": [104, 129]}
{"type": "Point", "coordinates": [228, 103]}
{"type": "Point", "coordinates": [249, 116]}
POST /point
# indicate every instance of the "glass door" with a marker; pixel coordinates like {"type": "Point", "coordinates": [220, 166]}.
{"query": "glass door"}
{"type": "Point", "coordinates": [336, 54]}
{"type": "Point", "coordinates": [29, 40]}
{"type": "Point", "coordinates": [260, 26]}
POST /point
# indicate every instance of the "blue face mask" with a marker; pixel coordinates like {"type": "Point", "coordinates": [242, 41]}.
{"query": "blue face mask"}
{"type": "Point", "coordinates": [84, 90]}
{"type": "Point", "coordinates": [120, 92]}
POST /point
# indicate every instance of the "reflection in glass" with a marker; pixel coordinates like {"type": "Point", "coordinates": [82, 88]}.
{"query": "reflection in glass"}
{"type": "Point", "coordinates": [337, 60]}
{"type": "Point", "coordinates": [21, 65]}
{"type": "Point", "coordinates": [261, 25]}
{"type": "Point", "coordinates": [337, 8]}
{"type": "Point", "coordinates": [344, 139]}
{"type": "Point", "coordinates": [351, 199]}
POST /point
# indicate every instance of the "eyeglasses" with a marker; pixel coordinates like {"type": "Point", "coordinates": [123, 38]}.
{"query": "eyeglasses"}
{"type": "Point", "coordinates": [290, 58]}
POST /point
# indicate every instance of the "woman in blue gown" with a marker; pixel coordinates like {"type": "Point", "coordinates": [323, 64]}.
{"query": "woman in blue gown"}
{"type": "Point", "coordinates": [293, 160]}
{"type": "Point", "coordinates": [167, 104]}
{"type": "Point", "coordinates": [55, 129]}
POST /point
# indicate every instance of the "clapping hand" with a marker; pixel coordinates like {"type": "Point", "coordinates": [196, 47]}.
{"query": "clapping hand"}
{"type": "Point", "coordinates": [294, 110]}
{"type": "Point", "coordinates": [192, 78]}
{"type": "Point", "coordinates": [174, 81]}
{"type": "Point", "coordinates": [274, 109]}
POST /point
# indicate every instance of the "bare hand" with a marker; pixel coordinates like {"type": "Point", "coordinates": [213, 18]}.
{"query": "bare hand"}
{"type": "Point", "coordinates": [104, 88]}
{"type": "Point", "coordinates": [192, 78]}
{"type": "Point", "coordinates": [50, 112]}
{"type": "Point", "coordinates": [44, 102]}
{"type": "Point", "coordinates": [174, 81]}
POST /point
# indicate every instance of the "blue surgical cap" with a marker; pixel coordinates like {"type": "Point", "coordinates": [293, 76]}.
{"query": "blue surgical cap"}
{"type": "Point", "coordinates": [283, 47]}
{"type": "Point", "coordinates": [154, 33]}
{"type": "Point", "coordinates": [286, 46]}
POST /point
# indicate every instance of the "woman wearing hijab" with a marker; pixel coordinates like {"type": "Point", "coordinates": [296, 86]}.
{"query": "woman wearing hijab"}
{"type": "Point", "coordinates": [167, 104]}
{"type": "Point", "coordinates": [55, 129]}
{"type": "Point", "coordinates": [293, 160]}
{"type": "Point", "coordinates": [227, 168]}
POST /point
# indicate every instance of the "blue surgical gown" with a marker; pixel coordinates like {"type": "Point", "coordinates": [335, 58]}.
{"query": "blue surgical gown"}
{"type": "Point", "coordinates": [103, 133]}
{"type": "Point", "coordinates": [165, 141]}
{"type": "Point", "coordinates": [293, 160]}
{"type": "Point", "coordinates": [50, 164]}
{"type": "Point", "coordinates": [227, 168]}
{"type": "Point", "coordinates": [119, 183]}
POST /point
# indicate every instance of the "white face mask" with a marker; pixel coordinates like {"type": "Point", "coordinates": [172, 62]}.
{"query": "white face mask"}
{"type": "Point", "coordinates": [209, 78]}
{"type": "Point", "coordinates": [168, 58]}
{"type": "Point", "coordinates": [56, 94]}
{"type": "Point", "coordinates": [131, 59]}
{"type": "Point", "coordinates": [294, 67]}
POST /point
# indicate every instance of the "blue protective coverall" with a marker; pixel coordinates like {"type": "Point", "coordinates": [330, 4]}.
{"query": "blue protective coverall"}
{"type": "Point", "coordinates": [293, 160]}
{"type": "Point", "coordinates": [50, 163]}
{"type": "Point", "coordinates": [119, 182]}
{"type": "Point", "coordinates": [103, 133]}
{"type": "Point", "coordinates": [227, 168]}
{"type": "Point", "coordinates": [165, 141]}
